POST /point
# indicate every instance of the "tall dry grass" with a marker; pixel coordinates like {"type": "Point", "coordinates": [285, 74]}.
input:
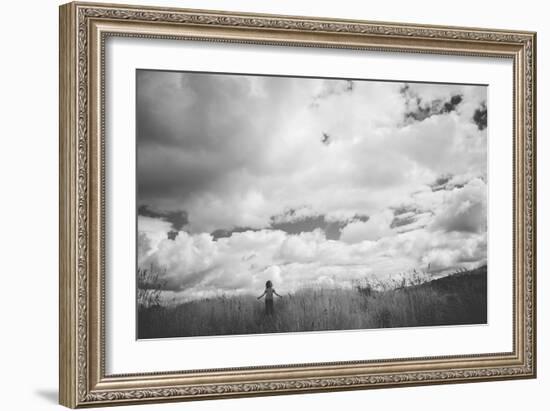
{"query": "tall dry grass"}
{"type": "Point", "coordinates": [456, 299]}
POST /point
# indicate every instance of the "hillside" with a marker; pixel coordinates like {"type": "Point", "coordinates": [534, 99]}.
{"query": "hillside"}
{"type": "Point", "coordinates": [456, 299]}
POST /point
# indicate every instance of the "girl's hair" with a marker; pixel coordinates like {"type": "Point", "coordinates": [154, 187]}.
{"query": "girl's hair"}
{"type": "Point", "coordinates": [268, 284]}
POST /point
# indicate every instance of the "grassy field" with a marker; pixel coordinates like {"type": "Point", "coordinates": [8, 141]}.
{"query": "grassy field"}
{"type": "Point", "coordinates": [456, 299]}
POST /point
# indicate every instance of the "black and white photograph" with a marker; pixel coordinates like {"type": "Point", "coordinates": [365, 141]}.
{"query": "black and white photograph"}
{"type": "Point", "coordinates": [280, 204]}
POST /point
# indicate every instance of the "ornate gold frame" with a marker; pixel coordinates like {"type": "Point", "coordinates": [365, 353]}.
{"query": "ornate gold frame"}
{"type": "Point", "coordinates": [83, 30]}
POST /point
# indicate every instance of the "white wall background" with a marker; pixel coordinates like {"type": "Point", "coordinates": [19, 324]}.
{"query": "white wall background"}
{"type": "Point", "coordinates": [28, 208]}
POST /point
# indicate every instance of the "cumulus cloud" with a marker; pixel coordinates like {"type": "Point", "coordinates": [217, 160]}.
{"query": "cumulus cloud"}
{"type": "Point", "coordinates": [306, 180]}
{"type": "Point", "coordinates": [196, 265]}
{"type": "Point", "coordinates": [178, 219]}
{"type": "Point", "coordinates": [377, 226]}
{"type": "Point", "coordinates": [480, 116]}
{"type": "Point", "coordinates": [464, 210]}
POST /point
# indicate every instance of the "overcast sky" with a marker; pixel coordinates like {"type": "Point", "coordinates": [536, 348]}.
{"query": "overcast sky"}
{"type": "Point", "coordinates": [306, 181]}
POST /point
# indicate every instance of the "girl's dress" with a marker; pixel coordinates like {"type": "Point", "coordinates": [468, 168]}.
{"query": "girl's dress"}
{"type": "Point", "coordinates": [269, 301]}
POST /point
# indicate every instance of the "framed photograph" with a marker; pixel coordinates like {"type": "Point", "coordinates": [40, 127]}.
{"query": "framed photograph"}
{"type": "Point", "coordinates": [259, 204]}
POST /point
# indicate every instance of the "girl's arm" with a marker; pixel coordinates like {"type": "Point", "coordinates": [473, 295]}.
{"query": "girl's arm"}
{"type": "Point", "coordinates": [261, 295]}
{"type": "Point", "coordinates": [278, 295]}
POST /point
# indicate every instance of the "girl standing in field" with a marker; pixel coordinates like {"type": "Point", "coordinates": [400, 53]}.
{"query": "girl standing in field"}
{"type": "Point", "coordinates": [268, 292]}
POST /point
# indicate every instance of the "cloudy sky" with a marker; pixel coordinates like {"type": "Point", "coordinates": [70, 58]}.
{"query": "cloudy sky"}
{"type": "Point", "coordinates": [306, 181]}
